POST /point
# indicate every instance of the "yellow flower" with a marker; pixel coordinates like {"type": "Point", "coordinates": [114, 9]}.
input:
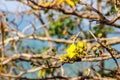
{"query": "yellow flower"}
{"type": "Point", "coordinates": [71, 51]}
{"type": "Point", "coordinates": [46, 4]}
{"type": "Point", "coordinates": [71, 55]}
{"type": "Point", "coordinates": [64, 57]}
{"type": "Point", "coordinates": [60, 1]}
{"type": "Point", "coordinates": [94, 48]}
{"type": "Point", "coordinates": [100, 35]}
{"type": "Point", "coordinates": [84, 45]}
{"type": "Point", "coordinates": [80, 44]}
{"type": "Point", "coordinates": [72, 48]}
{"type": "Point", "coordinates": [80, 50]}
{"type": "Point", "coordinates": [75, 1]}
{"type": "Point", "coordinates": [71, 3]}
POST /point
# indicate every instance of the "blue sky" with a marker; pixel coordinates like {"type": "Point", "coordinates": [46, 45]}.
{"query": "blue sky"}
{"type": "Point", "coordinates": [12, 6]}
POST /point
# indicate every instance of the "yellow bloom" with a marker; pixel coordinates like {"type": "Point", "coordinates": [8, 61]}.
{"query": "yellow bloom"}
{"type": "Point", "coordinates": [75, 1]}
{"type": "Point", "coordinates": [72, 48]}
{"type": "Point", "coordinates": [71, 51]}
{"type": "Point", "coordinates": [64, 57]}
{"type": "Point", "coordinates": [82, 45]}
{"type": "Point", "coordinates": [94, 48]}
{"type": "Point", "coordinates": [46, 4]}
{"type": "Point", "coordinates": [100, 35]}
{"type": "Point", "coordinates": [71, 3]}
{"type": "Point", "coordinates": [60, 1]}
{"type": "Point", "coordinates": [71, 55]}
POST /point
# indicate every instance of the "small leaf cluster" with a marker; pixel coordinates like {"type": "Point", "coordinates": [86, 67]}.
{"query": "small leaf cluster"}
{"type": "Point", "coordinates": [104, 30]}
{"type": "Point", "coordinates": [75, 52]}
{"type": "Point", "coordinates": [44, 72]}
{"type": "Point", "coordinates": [103, 44]}
{"type": "Point", "coordinates": [96, 50]}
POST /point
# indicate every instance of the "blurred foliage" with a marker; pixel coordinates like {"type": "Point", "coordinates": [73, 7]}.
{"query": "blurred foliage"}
{"type": "Point", "coordinates": [112, 10]}
{"type": "Point", "coordinates": [108, 74]}
{"type": "Point", "coordinates": [61, 27]}
{"type": "Point", "coordinates": [102, 29]}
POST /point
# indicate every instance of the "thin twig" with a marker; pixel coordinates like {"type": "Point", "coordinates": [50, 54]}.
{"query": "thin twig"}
{"type": "Point", "coordinates": [106, 49]}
